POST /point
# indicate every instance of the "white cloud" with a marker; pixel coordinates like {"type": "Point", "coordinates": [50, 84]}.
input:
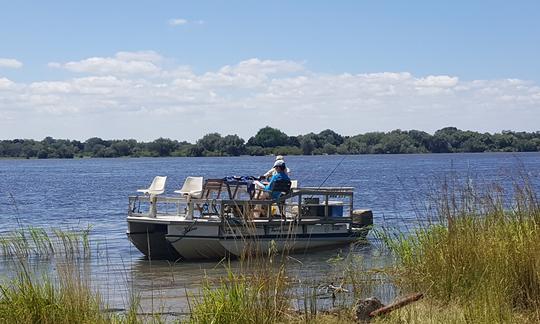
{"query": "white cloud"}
{"type": "Point", "coordinates": [123, 63]}
{"type": "Point", "coordinates": [256, 66]}
{"type": "Point", "coordinates": [251, 73]}
{"type": "Point", "coordinates": [51, 87]}
{"type": "Point", "coordinates": [107, 65]}
{"type": "Point", "coordinates": [120, 95]}
{"type": "Point", "coordinates": [437, 81]}
{"type": "Point", "coordinates": [146, 56]}
{"type": "Point", "coordinates": [181, 21]}
{"type": "Point", "coordinates": [10, 63]}
{"type": "Point", "coordinates": [6, 83]}
{"type": "Point", "coordinates": [177, 22]}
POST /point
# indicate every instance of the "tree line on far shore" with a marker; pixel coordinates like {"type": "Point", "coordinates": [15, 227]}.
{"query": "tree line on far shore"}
{"type": "Point", "coordinates": [270, 140]}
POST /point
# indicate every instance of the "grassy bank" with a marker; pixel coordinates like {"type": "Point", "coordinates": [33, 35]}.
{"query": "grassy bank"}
{"type": "Point", "coordinates": [480, 264]}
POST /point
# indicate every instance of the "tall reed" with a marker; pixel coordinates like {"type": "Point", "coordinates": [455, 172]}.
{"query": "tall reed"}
{"type": "Point", "coordinates": [64, 294]}
{"type": "Point", "coordinates": [38, 242]}
{"type": "Point", "coordinates": [256, 293]}
{"type": "Point", "coordinates": [483, 256]}
{"type": "Point", "coordinates": [30, 299]}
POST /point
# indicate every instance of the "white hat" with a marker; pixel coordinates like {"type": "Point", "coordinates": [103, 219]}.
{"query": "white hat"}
{"type": "Point", "coordinates": [279, 163]}
{"type": "Point", "coordinates": [279, 157]}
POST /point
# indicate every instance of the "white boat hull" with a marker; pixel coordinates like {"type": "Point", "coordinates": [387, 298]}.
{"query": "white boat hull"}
{"type": "Point", "coordinates": [289, 245]}
{"type": "Point", "coordinates": [199, 239]}
{"type": "Point", "coordinates": [195, 241]}
{"type": "Point", "coordinates": [149, 238]}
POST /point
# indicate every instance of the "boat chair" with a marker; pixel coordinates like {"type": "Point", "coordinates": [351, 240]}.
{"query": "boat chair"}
{"type": "Point", "coordinates": [294, 184]}
{"type": "Point", "coordinates": [157, 187]}
{"type": "Point", "coordinates": [192, 188]}
{"type": "Point", "coordinates": [283, 187]}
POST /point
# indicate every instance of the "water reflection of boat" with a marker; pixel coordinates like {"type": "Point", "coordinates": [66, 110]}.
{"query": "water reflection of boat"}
{"type": "Point", "coordinates": [227, 217]}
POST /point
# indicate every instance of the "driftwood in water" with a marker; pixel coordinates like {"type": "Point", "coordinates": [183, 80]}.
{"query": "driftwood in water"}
{"type": "Point", "coordinates": [371, 307]}
{"type": "Point", "coordinates": [395, 305]}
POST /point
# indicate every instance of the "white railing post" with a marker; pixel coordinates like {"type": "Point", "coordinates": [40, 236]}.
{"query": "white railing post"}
{"type": "Point", "coordinates": [189, 211]}
{"type": "Point", "coordinates": [153, 207]}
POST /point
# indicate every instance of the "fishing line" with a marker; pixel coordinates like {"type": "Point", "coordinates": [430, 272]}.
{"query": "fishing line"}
{"type": "Point", "coordinates": [328, 176]}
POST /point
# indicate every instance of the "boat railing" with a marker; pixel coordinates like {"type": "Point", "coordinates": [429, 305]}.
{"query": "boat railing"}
{"type": "Point", "coordinates": [299, 203]}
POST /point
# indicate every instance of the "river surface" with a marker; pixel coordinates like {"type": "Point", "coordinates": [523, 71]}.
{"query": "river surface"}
{"type": "Point", "coordinates": [71, 194]}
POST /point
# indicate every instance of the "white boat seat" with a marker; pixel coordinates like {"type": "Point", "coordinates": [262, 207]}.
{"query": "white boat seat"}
{"type": "Point", "coordinates": [157, 186]}
{"type": "Point", "coordinates": [192, 188]}
{"type": "Point", "coordinates": [294, 184]}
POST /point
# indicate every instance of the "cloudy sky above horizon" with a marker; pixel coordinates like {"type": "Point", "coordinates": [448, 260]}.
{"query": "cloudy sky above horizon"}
{"type": "Point", "coordinates": [182, 70]}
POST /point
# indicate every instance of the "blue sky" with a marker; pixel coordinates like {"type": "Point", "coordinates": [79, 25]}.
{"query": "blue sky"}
{"type": "Point", "coordinates": [44, 44]}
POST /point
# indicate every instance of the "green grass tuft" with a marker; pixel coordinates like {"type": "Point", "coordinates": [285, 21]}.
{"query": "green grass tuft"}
{"type": "Point", "coordinates": [258, 294]}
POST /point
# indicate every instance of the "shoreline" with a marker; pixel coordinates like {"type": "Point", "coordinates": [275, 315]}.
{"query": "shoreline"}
{"type": "Point", "coordinates": [272, 141]}
{"type": "Point", "coordinates": [268, 155]}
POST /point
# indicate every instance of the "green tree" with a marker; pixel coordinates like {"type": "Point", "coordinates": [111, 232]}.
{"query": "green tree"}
{"type": "Point", "coordinates": [232, 145]}
{"type": "Point", "coordinates": [269, 137]}
{"type": "Point", "coordinates": [196, 150]}
{"type": "Point", "coordinates": [93, 145]}
{"type": "Point", "coordinates": [161, 147]}
{"type": "Point", "coordinates": [473, 144]}
{"type": "Point", "coordinates": [308, 144]}
{"type": "Point", "coordinates": [330, 137]}
{"type": "Point", "coordinates": [353, 145]}
{"type": "Point", "coordinates": [439, 144]}
{"type": "Point", "coordinates": [255, 150]}
{"type": "Point", "coordinates": [121, 148]}
{"type": "Point", "coordinates": [211, 142]}
{"type": "Point", "coordinates": [329, 149]}
{"type": "Point", "coordinates": [42, 154]}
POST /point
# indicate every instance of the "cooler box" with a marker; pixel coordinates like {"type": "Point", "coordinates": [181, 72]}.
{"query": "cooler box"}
{"type": "Point", "coordinates": [335, 209]}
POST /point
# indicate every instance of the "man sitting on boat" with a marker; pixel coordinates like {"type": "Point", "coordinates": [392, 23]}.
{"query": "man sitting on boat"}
{"type": "Point", "coordinates": [280, 174]}
{"type": "Point", "coordinates": [272, 171]}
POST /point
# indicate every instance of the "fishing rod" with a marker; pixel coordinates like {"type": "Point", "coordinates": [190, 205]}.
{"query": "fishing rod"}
{"type": "Point", "coordinates": [305, 211]}
{"type": "Point", "coordinates": [330, 174]}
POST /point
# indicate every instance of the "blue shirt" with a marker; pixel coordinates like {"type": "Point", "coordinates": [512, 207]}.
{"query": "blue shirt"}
{"type": "Point", "coordinates": [275, 177]}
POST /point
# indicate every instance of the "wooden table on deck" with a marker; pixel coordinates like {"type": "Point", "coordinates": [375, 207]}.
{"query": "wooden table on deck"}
{"type": "Point", "coordinates": [231, 187]}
